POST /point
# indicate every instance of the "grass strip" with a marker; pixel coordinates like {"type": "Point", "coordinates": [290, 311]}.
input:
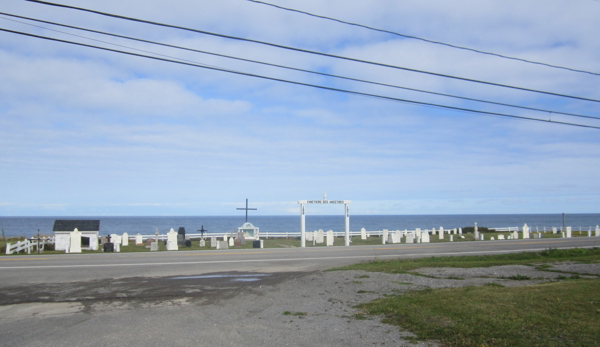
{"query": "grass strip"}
{"type": "Point", "coordinates": [580, 255]}
{"type": "Point", "coordinates": [565, 313]}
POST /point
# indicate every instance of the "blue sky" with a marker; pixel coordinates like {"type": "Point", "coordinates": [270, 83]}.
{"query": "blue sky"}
{"type": "Point", "coordinates": [86, 132]}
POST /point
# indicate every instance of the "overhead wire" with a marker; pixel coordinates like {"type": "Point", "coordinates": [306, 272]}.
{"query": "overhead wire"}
{"type": "Point", "coordinates": [270, 64]}
{"type": "Point", "coordinates": [461, 109]}
{"type": "Point", "coordinates": [424, 39]}
{"type": "Point", "coordinates": [312, 52]}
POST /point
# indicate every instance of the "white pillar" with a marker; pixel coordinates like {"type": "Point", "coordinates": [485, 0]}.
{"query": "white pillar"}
{"type": "Point", "coordinates": [347, 225]}
{"type": "Point", "coordinates": [302, 227]}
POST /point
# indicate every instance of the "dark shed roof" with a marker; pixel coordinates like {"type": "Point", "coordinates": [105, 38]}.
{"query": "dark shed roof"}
{"type": "Point", "coordinates": [81, 225]}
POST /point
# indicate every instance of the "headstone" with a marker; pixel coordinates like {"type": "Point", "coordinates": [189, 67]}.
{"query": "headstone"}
{"type": "Point", "coordinates": [188, 243]}
{"type": "Point", "coordinates": [242, 238]}
{"type": "Point", "coordinates": [172, 240]}
{"type": "Point", "coordinates": [103, 240]}
{"type": "Point", "coordinates": [554, 231]}
{"type": "Point", "coordinates": [330, 238]}
{"type": "Point", "coordinates": [569, 231]}
{"type": "Point", "coordinates": [154, 246]}
{"type": "Point", "coordinates": [500, 237]}
{"type": "Point", "coordinates": [482, 237]}
{"type": "Point", "coordinates": [202, 243]}
{"type": "Point", "coordinates": [309, 236]}
{"type": "Point", "coordinates": [114, 238]}
{"type": "Point", "coordinates": [515, 235]}
{"type": "Point", "coordinates": [460, 231]}
{"type": "Point", "coordinates": [319, 238]}
{"type": "Point", "coordinates": [597, 230]}
{"type": "Point", "coordinates": [125, 241]}
{"type": "Point", "coordinates": [138, 239]}
{"type": "Point", "coordinates": [238, 242]}
{"type": "Point", "coordinates": [525, 231]}
{"type": "Point", "coordinates": [425, 237]}
{"type": "Point", "coordinates": [75, 241]}
{"type": "Point", "coordinates": [451, 238]}
{"type": "Point", "coordinates": [492, 238]}
{"type": "Point", "coordinates": [433, 231]}
{"type": "Point", "coordinates": [384, 239]}
{"type": "Point", "coordinates": [454, 231]}
{"type": "Point", "coordinates": [410, 238]}
{"type": "Point", "coordinates": [396, 237]}
{"type": "Point", "coordinates": [181, 231]}
{"type": "Point", "coordinates": [363, 234]}
{"type": "Point", "coordinates": [257, 244]}
{"type": "Point", "coordinates": [441, 233]}
{"type": "Point", "coordinates": [109, 247]}
{"type": "Point", "coordinates": [590, 232]}
{"type": "Point", "coordinates": [562, 234]}
{"type": "Point", "coordinates": [213, 242]}
{"type": "Point", "coordinates": [476, 232]}
{"type": "Point", "coordinates": [118, 247]}
{"type": "Point", "coordinates": [222, 245]}
{"type": "Point", "coordinates": [180, 240]}
{"type": "Point", "coordinates": [231, 242]}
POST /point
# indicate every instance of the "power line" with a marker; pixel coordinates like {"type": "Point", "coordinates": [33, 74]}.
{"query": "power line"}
{"type": "Point", "coordinates": [420, 103]}
{"type": "Point", "coordinates": [423, 39]}
{"type": "Point", "coordinates": [313, 52]}
{"type": "Point", "coordinates": [270, 64]}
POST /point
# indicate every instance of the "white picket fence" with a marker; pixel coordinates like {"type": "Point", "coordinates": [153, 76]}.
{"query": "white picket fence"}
{"type": "Point", "coordinates": [29, 245]}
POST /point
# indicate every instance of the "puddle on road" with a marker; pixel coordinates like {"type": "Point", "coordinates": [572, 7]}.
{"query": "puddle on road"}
{"type": "Point", "coordinates": [239, 278]}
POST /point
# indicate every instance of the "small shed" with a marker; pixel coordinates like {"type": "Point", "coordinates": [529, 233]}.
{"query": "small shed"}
{"type": "Point", "coordinates": [250, 231]}
{"type": "Point", "coordinates": [89, 228]}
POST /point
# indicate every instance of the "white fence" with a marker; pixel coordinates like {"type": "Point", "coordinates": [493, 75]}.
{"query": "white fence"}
{"type": "Point", "coordinates": [29, 244]}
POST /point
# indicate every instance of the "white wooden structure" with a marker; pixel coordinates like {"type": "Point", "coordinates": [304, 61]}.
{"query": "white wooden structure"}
{"type": "Point", "coordinates": [89, 229]}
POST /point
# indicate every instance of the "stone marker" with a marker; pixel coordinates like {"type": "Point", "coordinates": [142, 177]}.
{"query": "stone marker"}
{"type": "Point", "coordinates": [75, 241]}
{"type": "Point", "coordinates": [172, 240]}
{"type": "Point", "coordinates": [154, 246]}
{"type": "Point", "coordinates": [562, 234]}
{"type": "Point", "coordinates": [138, 239]}
{"type": "Point", "coordinates": [213, 241]}
{"type": "Point", "coordinates": [590, 232]}
{"type": "Point", "coordinates": [554, 231]}
{"type": "Point", "coordinates": [433, 231]}
{"type": "Point", "coordinates": [451, 238]}
{"type": "Point", "coordinates": [410, 238]}
{"type": "Point", "coordinates": [125, 241]}
{"type": "Point", "coordinates": [309, 236]}
{"type": "Point", "coordinates": [569, 231]}
{"type": "Point", "coordinates": [441, 233]}
{"type": "Point", "coordinates": [492, 239]}
{"type": "Point", "coordinates": [257, 244]}
{"type": "Point", "coordinates": [384, 239]}
{"type": "Point", "coordinates": [525, 231]}
{"type": "Point", "coordinates": [330, 238]}
{"type": "Point", "coordinates": [320, 236]}
{"type": "Point", "coordinates": [222, 245]}
{"type": "Point", "coordinates": [363, 234]}
{"type": "Point", "coordinates": [460, 231]}
{"type": "Point", "coordinates": [202, 243]}
{"type": "Point", "coordinates": [118, 247]}
{"type": "Point", "coordinates": [515, 235]}
{"type": "Point", "coordinates": [597, 230]}
{"type": "Point", "coordinates": [231, 242]}
{"type": "Point", "coordinates": [500, 237]}
{"type": "Point", "coordinates": [425, 237]}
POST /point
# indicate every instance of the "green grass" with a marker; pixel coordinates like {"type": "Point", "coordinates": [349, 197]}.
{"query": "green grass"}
{"type": "Point", "coordinates": [554, 314]}
{"type": "Point", "coordinates": [582, 255]}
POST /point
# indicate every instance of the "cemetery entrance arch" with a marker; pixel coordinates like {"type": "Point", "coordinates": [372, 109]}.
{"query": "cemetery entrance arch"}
{"type": "Point", "coordinates": [325, 202]}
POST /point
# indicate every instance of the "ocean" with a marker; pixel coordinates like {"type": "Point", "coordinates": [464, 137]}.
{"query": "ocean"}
{"type": "Point", "coordinates": [28, 226]}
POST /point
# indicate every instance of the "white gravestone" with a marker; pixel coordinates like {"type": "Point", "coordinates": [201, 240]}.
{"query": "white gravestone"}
{"type": "Point", "coordinates": [441, 234]}
{"type": "Point", "coordinates": [525, 231]}
{"type": "Point", "coordinates": [395, 237]}
{"type": "Point", "coordinates": [515, 235]}
{"type": "Point", "coordinates": [569, 231]}
{"type": "Point", "coordinates": [330, 238]}
{"type": "Point", "coordinates": [590, 232]}
{"type": "Point", "coordinates": [385, 237]}
{"type": "Point", "coordinates": [482, 237]}
{"type": "Point", "coordinates": [492, 239]}
{"type": "Point", "coordinates": [433, 231]}
{"type": "Point", "coordinates": [454, 231]}
{"type": "Point", "coordinates": [597, 230]}
{"type": "Point", "coordinates": [410, 238]}
{"type": "Point", "coordinates": [319, 238]}
{"type": "Point", "coordinates": [75, 241]}
{"type": "Point", "coordinates": [202, 243]}
{"type": "Point", "coordinates": [154, 246]}
{"type": "Point", "coordinates": [363, 234]}
{"type": "Point", "coordinates": [451, 238]}
{"type": "Point", "coordinates": [459, 231]}
{"type": "Point", "coordinates": [425, 237]}
{"type": "Point", "coordinates": [125, 240]}
{"type": "Point", "coordinates": [138, 239]}
{"type": "Point", "coordinates": [500, 237]}
{"type": "Point", "coordinates": [309, 236]}
{"type": "Point", "coordinates": [172, 240]}
{"type": "Point", "coordinates": [213, 242]}
{"type": "Point", "coordinates": [113, 239]}
{"type": "Point", "coordinates": [222, 245]}
{"type": "Point", "coordinates": [554, 231]}
{"type": "Point", "coordinates": [231, 242]}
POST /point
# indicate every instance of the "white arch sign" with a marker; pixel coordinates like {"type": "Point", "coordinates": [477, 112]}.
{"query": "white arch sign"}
{"type": "Point", "coordinates": [325, 202]}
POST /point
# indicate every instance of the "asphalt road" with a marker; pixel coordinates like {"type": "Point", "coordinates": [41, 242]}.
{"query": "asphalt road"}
{"type": "Point", "coordinates": [32, 269]}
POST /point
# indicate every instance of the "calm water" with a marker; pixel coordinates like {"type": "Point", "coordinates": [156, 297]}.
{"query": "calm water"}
{"type": "Point", "coordinates": [28, 226]}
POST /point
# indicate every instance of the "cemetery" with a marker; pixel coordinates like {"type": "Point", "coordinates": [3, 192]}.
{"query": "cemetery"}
{"type": "Point", "coordinates": [86, 237]}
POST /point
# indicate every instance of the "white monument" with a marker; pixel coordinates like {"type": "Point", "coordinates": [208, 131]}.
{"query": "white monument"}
{"type": "Point", "coordinates": [363, 234]}
{"type": "Point", "coordinates": [125, 241]}
{"type": "Point", "coordinates": [525, 231]}
{"type": "Point", "coordinates": [250, 231]}
{"type": "Point", "coordinates": [75, 242]}
{"type": "Point", "coordinates": [138, 239]}
{"type": "Point", "coordinates": [330, 238]}
{"type": "Point", "coordinates": [172, 240]}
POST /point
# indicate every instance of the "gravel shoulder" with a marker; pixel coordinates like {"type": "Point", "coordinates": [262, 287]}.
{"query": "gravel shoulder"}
{"type": "Point", "coordinates": [233, 309]}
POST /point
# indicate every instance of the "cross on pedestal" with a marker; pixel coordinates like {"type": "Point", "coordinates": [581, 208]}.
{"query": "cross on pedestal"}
{"type": "Point", "coordinates": [241, 208]}
{"type": "Point", "coordinates": [202, 231]}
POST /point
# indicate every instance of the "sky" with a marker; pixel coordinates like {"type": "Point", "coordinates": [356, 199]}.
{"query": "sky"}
{"type": "Point", "coordinates": [86, 132]}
